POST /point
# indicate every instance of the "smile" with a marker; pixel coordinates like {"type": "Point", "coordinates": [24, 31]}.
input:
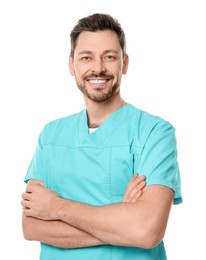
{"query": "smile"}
{"type": "Point", "coordinates": [97, 81]}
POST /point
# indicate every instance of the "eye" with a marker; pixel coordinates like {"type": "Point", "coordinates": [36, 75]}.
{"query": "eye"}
{"type": "Point", "coordinates": [86, 58]}
{"type": "Point", "coordinates": [109, 57]}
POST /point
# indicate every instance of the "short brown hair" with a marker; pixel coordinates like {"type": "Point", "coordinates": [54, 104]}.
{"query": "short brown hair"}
{"type": "Point", "coordinates": [97, 22]}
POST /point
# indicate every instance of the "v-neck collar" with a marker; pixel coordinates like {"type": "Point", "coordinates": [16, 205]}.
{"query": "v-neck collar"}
{"type": "Point", "coordinates": [105, 129]}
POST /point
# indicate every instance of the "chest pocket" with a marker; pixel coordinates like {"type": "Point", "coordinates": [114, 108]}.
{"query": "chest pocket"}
{"type": "Point", "coordinates": [124, 161]}
{"type": "Point", "coordinates": [122, 169]}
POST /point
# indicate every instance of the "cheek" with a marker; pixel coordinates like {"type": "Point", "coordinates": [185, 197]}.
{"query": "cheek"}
{"type": "Point", "coordinates": [80, 71]}
{"type": "Point", "coordinates": [115, 70]}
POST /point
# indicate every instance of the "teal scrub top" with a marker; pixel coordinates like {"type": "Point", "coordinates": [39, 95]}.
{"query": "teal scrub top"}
{"type": "Point", "coordinates": [96, 168]}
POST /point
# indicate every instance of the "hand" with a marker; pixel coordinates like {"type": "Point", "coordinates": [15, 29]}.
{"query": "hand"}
{"type": "Point", "coordinates": [39, 202]}
{"type": "Point", "coordinates": [134, 188]}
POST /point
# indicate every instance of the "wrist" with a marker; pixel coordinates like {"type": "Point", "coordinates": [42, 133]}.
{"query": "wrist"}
{"type": "Point", "coordinates": [61, 208]}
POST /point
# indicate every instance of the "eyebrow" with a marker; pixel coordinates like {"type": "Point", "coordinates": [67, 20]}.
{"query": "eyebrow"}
{"type": "Point", "coordinates": [105, 52]}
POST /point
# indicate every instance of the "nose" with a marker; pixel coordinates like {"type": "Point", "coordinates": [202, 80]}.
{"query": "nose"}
{"type": "Point", "coordinates": [98, 66]}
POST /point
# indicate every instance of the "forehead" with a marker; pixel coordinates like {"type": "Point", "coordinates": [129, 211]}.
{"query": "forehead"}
{"type": "Point", "coordinates": [97, 41]}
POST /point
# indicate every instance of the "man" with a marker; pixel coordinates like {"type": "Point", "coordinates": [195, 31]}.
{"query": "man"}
{"type": "Point", "coordinates": [83, 199]}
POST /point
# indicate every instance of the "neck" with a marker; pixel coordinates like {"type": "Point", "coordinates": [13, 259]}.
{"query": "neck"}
{"type": "Point", "coordinates": [98, 112]}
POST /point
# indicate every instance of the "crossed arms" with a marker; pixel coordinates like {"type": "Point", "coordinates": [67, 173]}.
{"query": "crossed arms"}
{"type": "Point", "coordinates": [139, 221]}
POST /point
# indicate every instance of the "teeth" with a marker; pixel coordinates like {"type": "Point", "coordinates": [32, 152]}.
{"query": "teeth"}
{"type": "Point", "coordinates": [97, 81]}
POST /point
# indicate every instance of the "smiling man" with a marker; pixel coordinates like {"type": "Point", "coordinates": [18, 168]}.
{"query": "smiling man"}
{"type": "Point", "coordinates": [96, 66]}
{"type": "Point", "coordinates": [102, 181]}
{"type": "Point", "coordinates": [98, 62]}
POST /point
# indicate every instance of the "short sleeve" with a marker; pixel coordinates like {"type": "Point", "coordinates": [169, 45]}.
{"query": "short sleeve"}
{"type": "Point", "coordinates": [36, 168]}
{"type": "Point", "coordinates": [158, 160]}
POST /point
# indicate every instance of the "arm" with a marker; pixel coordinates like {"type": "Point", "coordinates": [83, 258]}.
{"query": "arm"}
{"type": "Point", "coordinates": [61, 234]}
{"type": "Point", "coordinates": [57, 233]}
{"type": "Point", "coordinates": [141, 223]}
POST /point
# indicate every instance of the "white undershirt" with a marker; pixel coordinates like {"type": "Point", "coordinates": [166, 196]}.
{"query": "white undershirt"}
{"type": "Point", "coordinates": [92, 130]}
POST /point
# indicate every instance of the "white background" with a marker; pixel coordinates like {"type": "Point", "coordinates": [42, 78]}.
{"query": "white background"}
{"type": "Point", "coordinates": [166, 41]}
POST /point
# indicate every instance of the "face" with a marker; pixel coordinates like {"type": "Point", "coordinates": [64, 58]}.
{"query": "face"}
{"type": "Point", "coordinates": [98, 65]}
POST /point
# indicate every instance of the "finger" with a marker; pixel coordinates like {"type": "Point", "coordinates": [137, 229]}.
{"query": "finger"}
{"type": "Point", "coordinates": [141, 185]}
{"type": "Point", "coordinates": [135, 176]}
{"type": "Point", "coordinates": [132, 189]}
{"type": "Point", "coordinates": [131, 185]}
{"type": "Point", "coordinates": [25, 204]}
{"type": "Point", "coordinates": [27, 212]}
{"type": "Point", "coordinates": [24, 208]}
{"type": "Point", "coordinates": [26, 196]}
{"type": "Point", "coordinates": [137, 196]}
{"type": "Point", "coordinates": [134, 182]}
{"type": "Point", "coordinates": [29, 188]}
{"type": "Point", "coordinates": [140, 179]}
{"type": "Point", "coordinates": [131, 193]}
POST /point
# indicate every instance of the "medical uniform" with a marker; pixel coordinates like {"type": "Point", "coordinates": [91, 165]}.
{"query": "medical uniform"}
{"type": "Point", "coordinates": [96, 168]}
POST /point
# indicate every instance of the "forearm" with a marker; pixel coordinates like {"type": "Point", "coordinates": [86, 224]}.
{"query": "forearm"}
{"type": "Point", "coordinates": [140, 224]}
{"type": "Point", "coordinates": [115, 224]}
{"type": "Point", "coordinates": [57, 233]}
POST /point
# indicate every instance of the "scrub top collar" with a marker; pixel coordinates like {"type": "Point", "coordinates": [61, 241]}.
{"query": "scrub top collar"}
{"type": "Point", "coordinates": [104, 131]}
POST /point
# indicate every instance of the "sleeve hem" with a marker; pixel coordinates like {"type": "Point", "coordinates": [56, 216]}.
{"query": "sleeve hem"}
{"type": "Point", "coordinates": [34, 176]}
{"type": "Point", "coordinates": [177, 197]}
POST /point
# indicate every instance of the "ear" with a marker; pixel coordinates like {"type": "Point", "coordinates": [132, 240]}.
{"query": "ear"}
{"type": "Point", "coordinates": [125, 64]}
{"type": "Point", "coordinates": [71, 66]}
